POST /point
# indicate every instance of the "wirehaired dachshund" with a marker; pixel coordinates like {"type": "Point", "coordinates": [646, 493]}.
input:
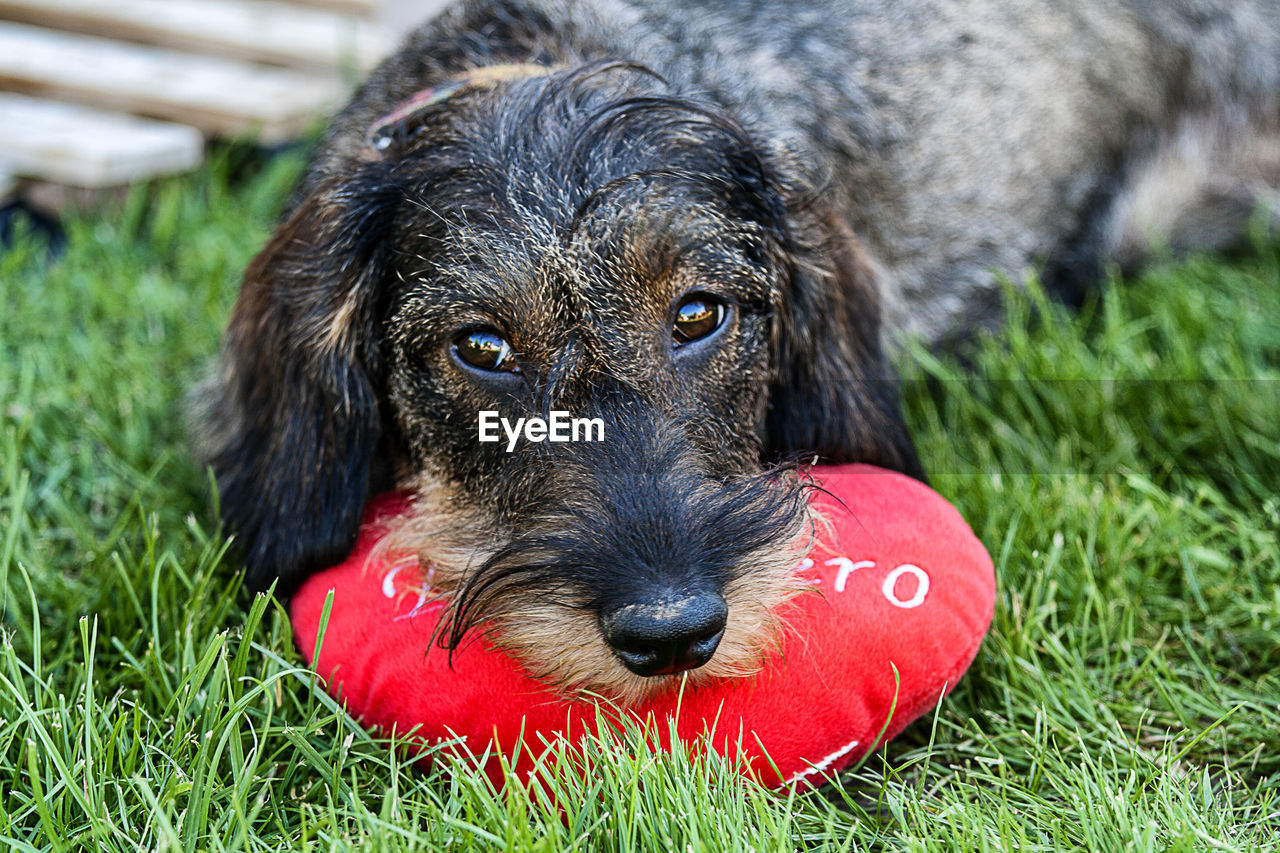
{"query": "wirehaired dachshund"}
{"type": "Point", "coordinates": [702, 227]}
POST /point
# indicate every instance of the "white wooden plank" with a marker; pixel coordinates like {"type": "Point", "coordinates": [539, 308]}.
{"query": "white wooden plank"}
{"type": "Point", "coordinates": [260, 30]}
{"type": "Point", "coordinates": [216, 95]}
{"type": "Point", "coordinates": [85, 147]}
{"type": "Point", "coordinates": [366, 8]}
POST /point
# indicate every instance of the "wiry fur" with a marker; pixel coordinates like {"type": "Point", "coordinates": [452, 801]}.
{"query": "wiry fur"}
{"type": "Point", "coordinates": [840, 173]}
{"type": "Point", "coordinates": [643, 506]}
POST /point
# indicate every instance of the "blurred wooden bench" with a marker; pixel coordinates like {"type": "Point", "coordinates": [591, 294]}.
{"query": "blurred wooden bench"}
{"type": "Point", "coordinates": [98, 93]}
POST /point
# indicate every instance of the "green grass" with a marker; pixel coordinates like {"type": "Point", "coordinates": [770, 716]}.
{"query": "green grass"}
{"type": "Point", "coordinates": [1127, 697]}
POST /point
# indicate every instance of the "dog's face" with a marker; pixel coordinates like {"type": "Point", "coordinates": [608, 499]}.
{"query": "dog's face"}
{"type": "Point", "coordinates": [572, 242]}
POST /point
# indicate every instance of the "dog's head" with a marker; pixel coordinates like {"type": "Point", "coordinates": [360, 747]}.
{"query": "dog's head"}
{"type": "Point", "coordinates": [580, 242]}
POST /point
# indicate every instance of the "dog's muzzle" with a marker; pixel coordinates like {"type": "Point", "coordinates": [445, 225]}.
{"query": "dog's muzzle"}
{"type": "Point", "coordinates": [668, 636]}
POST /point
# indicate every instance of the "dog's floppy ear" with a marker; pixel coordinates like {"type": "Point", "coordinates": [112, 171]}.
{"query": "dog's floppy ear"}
{"type": "Point", "coordinates": [834, 393]}
{"type": "Point", "coordinates": [290, 425]}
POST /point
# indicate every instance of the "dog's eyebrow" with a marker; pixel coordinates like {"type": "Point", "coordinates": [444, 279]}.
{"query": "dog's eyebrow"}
{"type": "Point", "coordinates": [602, 193]}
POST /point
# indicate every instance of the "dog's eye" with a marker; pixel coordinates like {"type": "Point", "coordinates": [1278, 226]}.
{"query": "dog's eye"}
{"type": "Point", "coordinates": [486, 350]}
{"type": "Point", "coordinates": [697, 317]}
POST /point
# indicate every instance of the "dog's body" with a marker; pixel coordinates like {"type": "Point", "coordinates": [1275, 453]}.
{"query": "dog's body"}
{"type": "Point", "coordinates": [695, 224]}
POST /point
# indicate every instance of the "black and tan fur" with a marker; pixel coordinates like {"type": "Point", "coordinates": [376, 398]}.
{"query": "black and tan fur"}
{"type": "Point", "coordinates": [840, 174]}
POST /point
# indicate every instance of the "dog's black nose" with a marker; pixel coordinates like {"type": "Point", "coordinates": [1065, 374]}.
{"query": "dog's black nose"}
{"type": "Point", "coordinates": [667, 636]}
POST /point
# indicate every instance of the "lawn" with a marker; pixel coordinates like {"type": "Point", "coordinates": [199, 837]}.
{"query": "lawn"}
{"type": "Point", "coordinates": [1122, 464]}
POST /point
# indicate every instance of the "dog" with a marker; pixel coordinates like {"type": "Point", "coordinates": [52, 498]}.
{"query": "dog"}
{"type": "Point", "coordinates": [705, 228]}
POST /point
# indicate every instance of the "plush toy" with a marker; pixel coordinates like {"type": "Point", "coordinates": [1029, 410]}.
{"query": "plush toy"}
{"type": "Point", "coordinates": [902, 596]}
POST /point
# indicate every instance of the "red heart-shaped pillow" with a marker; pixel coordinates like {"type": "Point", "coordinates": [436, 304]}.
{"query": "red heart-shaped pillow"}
{"type": "Point", "coordinates": [905, 592]}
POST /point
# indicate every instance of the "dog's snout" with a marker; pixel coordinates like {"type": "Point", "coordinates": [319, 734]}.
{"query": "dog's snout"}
{"type": "Point", "coordinates": [669, 636]}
